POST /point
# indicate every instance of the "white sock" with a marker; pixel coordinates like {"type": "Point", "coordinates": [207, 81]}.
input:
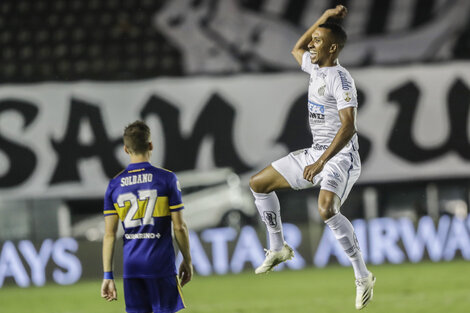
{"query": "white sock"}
{"type": "Point", "coordinates": [270, 211]}
{"type": "Point", "coordinates": [344, 233]}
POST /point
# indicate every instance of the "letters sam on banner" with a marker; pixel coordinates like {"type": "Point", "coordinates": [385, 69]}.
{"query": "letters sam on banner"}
{"type": "Point", "coordinates": [64, 139]}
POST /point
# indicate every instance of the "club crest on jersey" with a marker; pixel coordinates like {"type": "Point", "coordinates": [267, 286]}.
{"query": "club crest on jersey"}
{"type": "Point", "coordinates": [321, 90]}
{"type": "Point", "coordinates": [347, 96]}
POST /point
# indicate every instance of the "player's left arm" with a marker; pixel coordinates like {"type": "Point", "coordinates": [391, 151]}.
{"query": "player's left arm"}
{"type": "Point", "coordinates": [343, 136]}
{"type": "Point", "coordinates": [108, 287]}
{"type": "Point", "coordinates": [180, 230]}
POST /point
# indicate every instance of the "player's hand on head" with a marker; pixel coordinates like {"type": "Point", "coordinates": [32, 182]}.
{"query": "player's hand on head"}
{"type": "Point", "coordinates": [185, 273]}
{"type": "Point", "coordinates": [108, 290]}
{"type": "Point", "coordinates": [339, 11]}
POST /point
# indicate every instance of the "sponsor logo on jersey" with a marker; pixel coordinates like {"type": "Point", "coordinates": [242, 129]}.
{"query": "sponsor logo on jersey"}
{"type": "Point", "coordinates": [270, 219]}
{"type": "Point", "coordinates": [316, 112]}
{"type": "Point", "coordinates": [143, 236]}
{"type": "Point", "coordinates": [345, 84]}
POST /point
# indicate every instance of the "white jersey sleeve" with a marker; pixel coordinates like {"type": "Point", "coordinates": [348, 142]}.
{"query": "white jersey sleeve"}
{"type": "Point", "coordinates": [344, 89]}
{"type": "Point", "coordinates": [307, 65]}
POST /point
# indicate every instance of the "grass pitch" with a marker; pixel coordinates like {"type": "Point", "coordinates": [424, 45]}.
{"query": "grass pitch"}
{"type": "Point", "coordinates": [408, 288]}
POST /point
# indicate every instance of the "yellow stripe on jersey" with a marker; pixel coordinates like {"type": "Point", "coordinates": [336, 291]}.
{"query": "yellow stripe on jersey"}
{"type": "Point", "coordinates": [173, 207]}
{"type": "Point", "coordinates": [179, 290]}
{"type": "Point", "coordinates": [109, 212]}
{"type": "Point", "coordinates": [122, 211]}
{"type": "Point", "coordinates": [137, 170]}
{"type": "Point", "coordinates": [164, 169]}
{"type": "Point", "coordinates": [141, 210]}
{"type": "Point", "coordinates": [161, 208]}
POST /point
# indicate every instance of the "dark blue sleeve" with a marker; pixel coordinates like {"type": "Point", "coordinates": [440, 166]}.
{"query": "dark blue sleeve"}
{"type": "Point", "coordinates": [108, 208]}
{"type": "Point", "coordinates": [174, 194]}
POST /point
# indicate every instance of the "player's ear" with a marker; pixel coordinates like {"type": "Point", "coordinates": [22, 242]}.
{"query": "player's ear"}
{"type": "Point", "coordinates": [126, 150]}
{"type": "Point", "coordinates": [333, 48]}
{"type": "Point", "coordinates": [150, 146]}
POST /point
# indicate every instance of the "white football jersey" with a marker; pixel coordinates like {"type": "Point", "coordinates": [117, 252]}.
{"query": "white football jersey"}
{"type": "Point", "coordinates": [330, 89]}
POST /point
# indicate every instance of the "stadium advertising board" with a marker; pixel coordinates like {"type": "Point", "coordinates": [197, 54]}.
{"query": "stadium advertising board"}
{"type": "Point", "coordinates": [64, 139]}
{"type": "Point", "coordinates": [224, 250]}
{"type": "Point", "coordinates": [381, 239]}
{"type": "Point", "coordinates": [57, 256]}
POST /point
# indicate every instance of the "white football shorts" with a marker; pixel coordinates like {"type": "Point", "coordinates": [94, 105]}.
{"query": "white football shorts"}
{"type": "Point", "coordinates": [338, 175]}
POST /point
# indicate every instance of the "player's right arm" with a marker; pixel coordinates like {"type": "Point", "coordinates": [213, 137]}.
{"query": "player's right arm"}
{"type": "Point", "coordinates": [182, 239]}
{"type": "Point", "coordinates": [301, 46]}
{"type": "Point", "coordinates": [108, 288]}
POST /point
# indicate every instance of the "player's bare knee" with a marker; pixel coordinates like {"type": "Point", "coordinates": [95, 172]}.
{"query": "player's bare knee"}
{"type": "Point", "coordinates": [327, 209]}
{"type": "Point", "coordinates": [256, 184]}
{"type": "Point", "coordinates": [326, 212]}
{"type": "Point", "coordinates": [253, 183]}
{"type": "Point", "coordinates": [328, 205]}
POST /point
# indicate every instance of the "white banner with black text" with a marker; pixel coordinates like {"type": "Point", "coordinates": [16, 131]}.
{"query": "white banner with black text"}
{"type": "Point", "coordinates": [64, 139]}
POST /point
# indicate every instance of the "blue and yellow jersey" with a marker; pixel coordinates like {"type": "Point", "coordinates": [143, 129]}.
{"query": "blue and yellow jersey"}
{"type": "Point", "coordinates": [143, 197]}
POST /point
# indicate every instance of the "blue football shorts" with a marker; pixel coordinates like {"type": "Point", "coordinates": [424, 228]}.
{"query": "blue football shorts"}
{"type": "Point", "coordinates": [157, 295]}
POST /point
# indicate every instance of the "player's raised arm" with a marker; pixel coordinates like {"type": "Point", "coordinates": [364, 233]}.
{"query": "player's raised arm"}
{"type": "Point", "coordinates": [302, 44]}
{"type": "Point", "coordinates": [108, 288]}
{"type": "Point", "coordinates": [182, 239]}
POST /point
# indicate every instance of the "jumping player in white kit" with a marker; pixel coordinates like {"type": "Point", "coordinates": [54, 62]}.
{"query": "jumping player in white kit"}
{"type": "Point", "coordinates": [332, 162]}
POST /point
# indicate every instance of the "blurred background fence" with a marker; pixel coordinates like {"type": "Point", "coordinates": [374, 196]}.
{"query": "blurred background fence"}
{"type": "Point", "coordinates": [223, 96]}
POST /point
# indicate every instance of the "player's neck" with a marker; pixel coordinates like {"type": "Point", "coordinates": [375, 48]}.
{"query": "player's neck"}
{"type": "Point", "coordinates": [329, 63]}
{"type": "Point", "coordinates": [139, 158]}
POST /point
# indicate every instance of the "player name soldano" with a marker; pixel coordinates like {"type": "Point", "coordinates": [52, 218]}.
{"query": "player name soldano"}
{"type": "Point", "coordinates": [136, 179]}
